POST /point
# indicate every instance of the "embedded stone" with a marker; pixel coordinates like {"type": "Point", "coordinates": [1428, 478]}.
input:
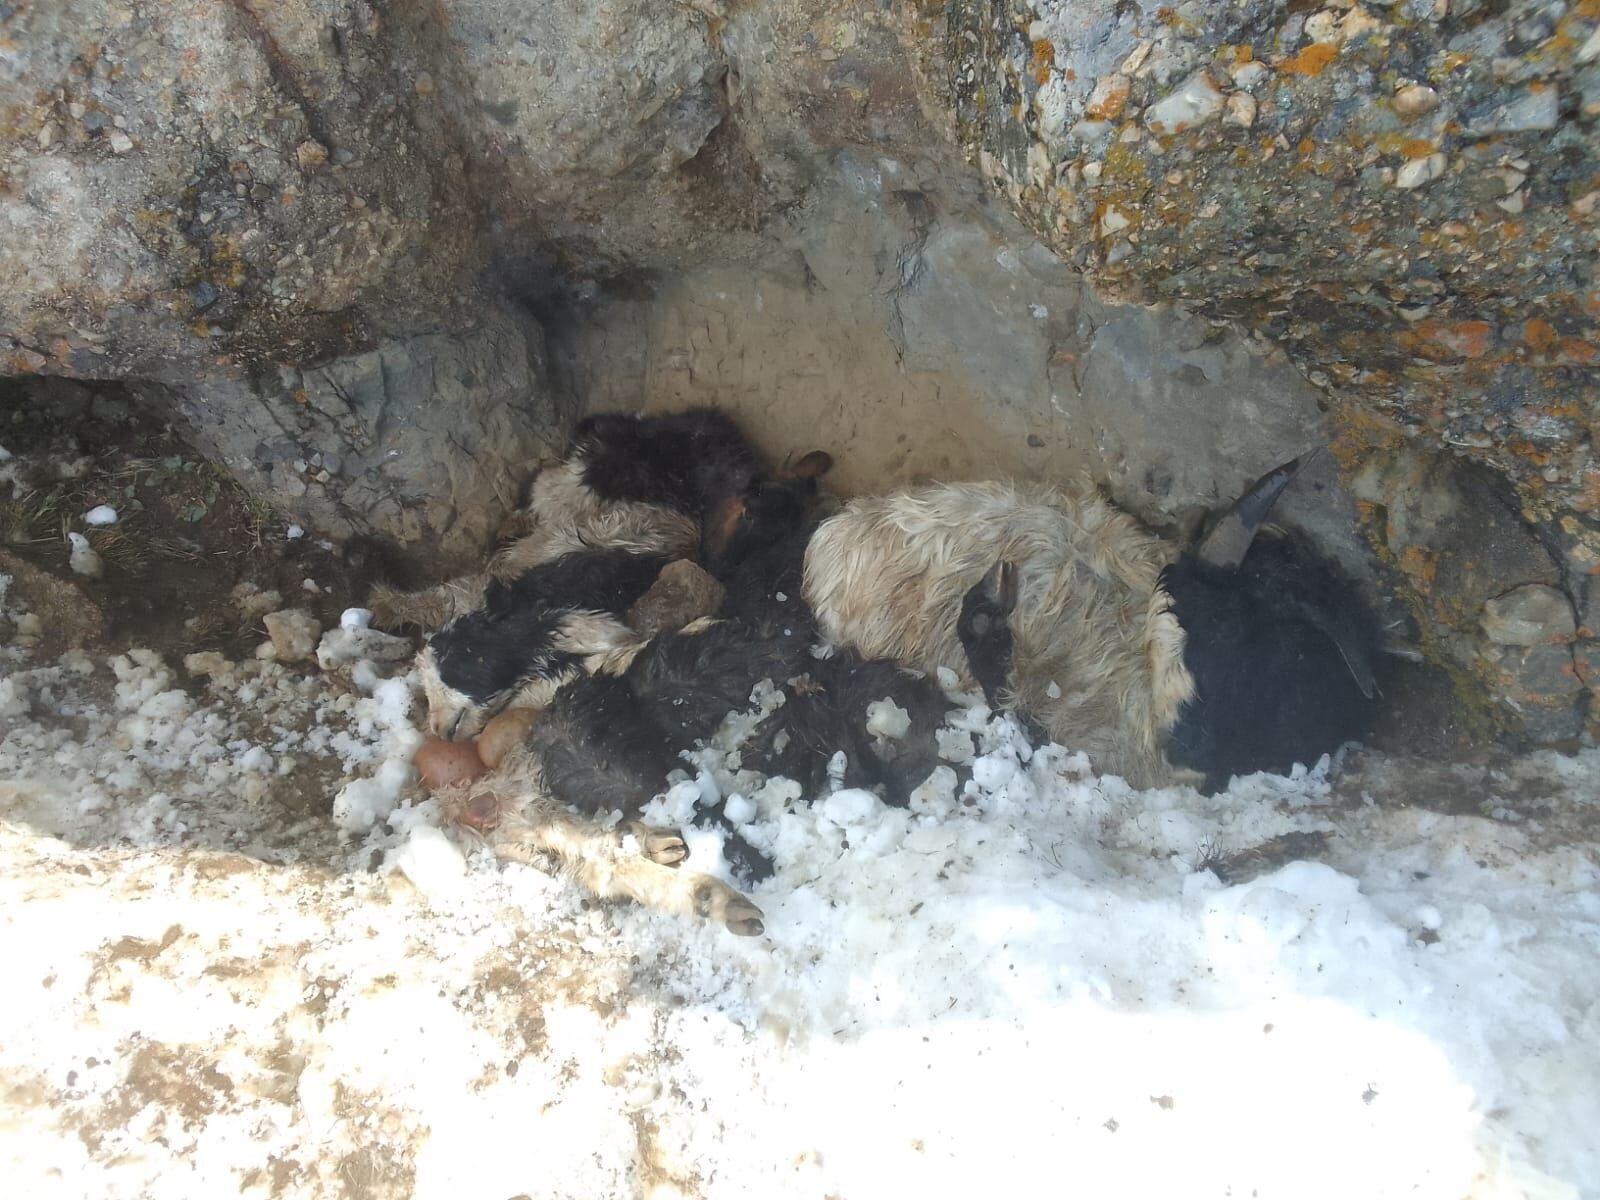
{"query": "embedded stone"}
{"type": "Point", "coordinates": [1532, 615]}
{"type": "Point", "coordinates": [1109, 98]}
{"type": "Point", "coordinates": [1195, 102]}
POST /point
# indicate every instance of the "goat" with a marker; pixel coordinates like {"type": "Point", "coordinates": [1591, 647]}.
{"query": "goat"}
{"type": "Point", "coordinates": [529, 636]}
{"type": "Point", "coordinates": [608, 739]}
{"type": "Point", "coordinates": [688, 485]}
{"type": "Point", "coordinates": [1160, 666]}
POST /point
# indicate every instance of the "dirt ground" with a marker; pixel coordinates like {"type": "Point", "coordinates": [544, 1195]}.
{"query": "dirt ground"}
{"type": "Point", "coordinates": [186, 534]}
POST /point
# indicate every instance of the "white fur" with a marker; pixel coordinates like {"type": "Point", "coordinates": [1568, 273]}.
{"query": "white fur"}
{"type": "Point", "coordinates": [630, 861]}
{"type": "Point", "coordinates": [888, 574]}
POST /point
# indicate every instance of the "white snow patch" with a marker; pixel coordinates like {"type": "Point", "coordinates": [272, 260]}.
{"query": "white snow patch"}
{"type": "Point", "coordinates": [887, 719]}
{"type": "Point", "coordinates": [431, 861]}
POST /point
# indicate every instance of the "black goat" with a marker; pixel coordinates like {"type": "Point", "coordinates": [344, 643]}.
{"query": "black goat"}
{"type": "Point", "coordinates": [697, 462]}
{"type": "Point", "coordinates": [1281, 648]}
{"type": "Point", "coordinates": [530, 635]}
{"type": "Point", "coordinates": [1278, 642]}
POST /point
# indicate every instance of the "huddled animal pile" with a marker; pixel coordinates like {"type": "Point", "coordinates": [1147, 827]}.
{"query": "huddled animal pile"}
{"type": "Point", "coordinates": [1165, 666]}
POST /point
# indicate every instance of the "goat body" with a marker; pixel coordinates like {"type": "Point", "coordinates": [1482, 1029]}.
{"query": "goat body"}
{"type": "Point", "coordinates": [530, 635]}
{"type": "Point", "coordinates": [1279, 650]}
{"type": "Point", "coordinates": [1250, 655]}
{"type": "Point", "coordinates": [1099, 654]}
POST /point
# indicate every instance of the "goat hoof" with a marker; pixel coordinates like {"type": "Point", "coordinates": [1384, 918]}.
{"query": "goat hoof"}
{"type": "Point", "coordinates": [743, 919]}
{"type": "Point", "coordinates": [664, 846]}
{"type": "Point", "coordinates": [717, 901]}
{"type": "Point", "coordinates": [482, 813]}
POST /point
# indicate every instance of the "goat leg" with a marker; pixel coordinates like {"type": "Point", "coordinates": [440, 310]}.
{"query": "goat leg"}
{"type": "Point", "coordinates": [595, 858]}
{"type": "Point", "coordinates": [664, 846]}
{"type": "Point", "coordinates": [427, 609]}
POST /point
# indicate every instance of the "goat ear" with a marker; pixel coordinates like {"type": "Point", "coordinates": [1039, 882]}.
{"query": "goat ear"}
{"type": "Point", "coordinates": [720, 523]}
{"type": "Point", "coordinates": [1228, 543]}
{"type": "Point", "coordinates": [812, 466]}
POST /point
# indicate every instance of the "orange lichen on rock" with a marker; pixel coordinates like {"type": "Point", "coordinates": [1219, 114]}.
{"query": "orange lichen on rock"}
{"type": "Point", "coordinates": [1436, 339]}
{"type": "Point", "coordinates": [1043, 57]}
{"type": "Point", "coordinates": [1313, 60]}
{"type": "Point", "coordinates": [1540, 335]}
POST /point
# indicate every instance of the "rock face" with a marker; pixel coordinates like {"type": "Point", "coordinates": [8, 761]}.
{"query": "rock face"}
{"type": "Point", "coordinates": [373, 257]}
{"type": "Point", "coordinates": [1404, 197]}
{"type": "Point", "coordinates": [209, 199]}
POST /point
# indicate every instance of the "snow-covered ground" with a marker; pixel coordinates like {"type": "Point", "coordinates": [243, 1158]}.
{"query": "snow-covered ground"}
{"type": "Point", "coordinates": [211, 988]}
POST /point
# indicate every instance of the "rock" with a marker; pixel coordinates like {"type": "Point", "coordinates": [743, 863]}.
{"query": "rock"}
{"type": "Point", "coordinates": [1357, 23]}
{"type": "Point", "coordinates": [294, 633]}
{"type": "Point", "coordinates": [1195, 102]}
{"type": "Point", "coordinates": [1419, 171]}
{"type": "Point", "coordinates": [1324, 27]}
{"type": "Point", "coordinates": [82, 557]}
{"type": "Point", "coordinates": [311, 154]}
{"type": "Point", "coordinates": [1532, 615]}
{"type": "Point", "coordinates": [1541, 685]}
{"type": "Point", "coordinates": [1113, 222]}
{"type": "Point", "coordinates": [344, 647]}
{"type": "Point", "coordinates": [1109, 98]}
{"type": "Point", "coordinates": [1251, 75]}
{"type": "Point", "coordinates": [683, 592]}
{"type": "Point", "coordinates": [1538, 107]}
{"type": "Point", "coordinates": [1241, 110]}
{"type": "Point", "coordinates": [1414, 101]}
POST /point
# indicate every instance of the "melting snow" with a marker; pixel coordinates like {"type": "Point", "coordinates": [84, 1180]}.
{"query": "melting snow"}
{"type": "Point", "coordinates": [1020, 986]}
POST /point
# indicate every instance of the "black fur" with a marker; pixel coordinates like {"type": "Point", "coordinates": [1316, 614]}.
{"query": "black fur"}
{"type": "Point", "coordinates": [692, 681]}
{"type": "Point", "coordinates": [765, 591]}
{"type": "Point", "coordinates": [497, 648]}
{"type": "Point", "coordinates": [697, 463]}
{"type": "Point", "coordinates": [608, 743]}
{"type": "Point", "coordinates": [769, 513]}
{"type": "Point", "coordinates": [826, 711]}
{"type": "Point", "coordinates": [485, 654]}
{"type": "Point", "coordinates": [984, 629]}
{"type": "Point", "coordinates": [686, 461]}
{"type": "Point", "coordinates": [1276, 649]}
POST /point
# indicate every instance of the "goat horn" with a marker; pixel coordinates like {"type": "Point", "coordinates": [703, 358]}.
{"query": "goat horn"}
{"type": "Point", "coordinates": [1228, 543]}
{"type": "Point", "coordinates": [999, 585]}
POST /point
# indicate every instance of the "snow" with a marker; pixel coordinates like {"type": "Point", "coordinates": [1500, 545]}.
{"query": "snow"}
{"type": "Point", "coordinates": [887, 719]}
{"type": "Point", "coordinates": [1021, 985]}
{"type": "Point", "coordinates": [82, 557]}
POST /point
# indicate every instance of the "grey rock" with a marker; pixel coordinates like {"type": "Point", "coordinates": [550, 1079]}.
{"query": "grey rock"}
{"type": "Point", "coordinates": [1193, 104]}
{"type": "Point", "coordinates": [1532, 615]}
{"type": "Point", "coordinates": [1530, 110]}
{"type": "Point", "coordinates": [1540, 685]}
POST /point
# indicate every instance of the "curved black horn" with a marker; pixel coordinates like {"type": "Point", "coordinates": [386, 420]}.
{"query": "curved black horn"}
{"type": "Point", "coordinates": [1229, 541]}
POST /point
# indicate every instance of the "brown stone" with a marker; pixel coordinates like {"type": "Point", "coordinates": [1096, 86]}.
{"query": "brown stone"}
{"type": "Point", "coordinates": [683, 592]}
{"type": "Point", "coordinates": [1109, 98]}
